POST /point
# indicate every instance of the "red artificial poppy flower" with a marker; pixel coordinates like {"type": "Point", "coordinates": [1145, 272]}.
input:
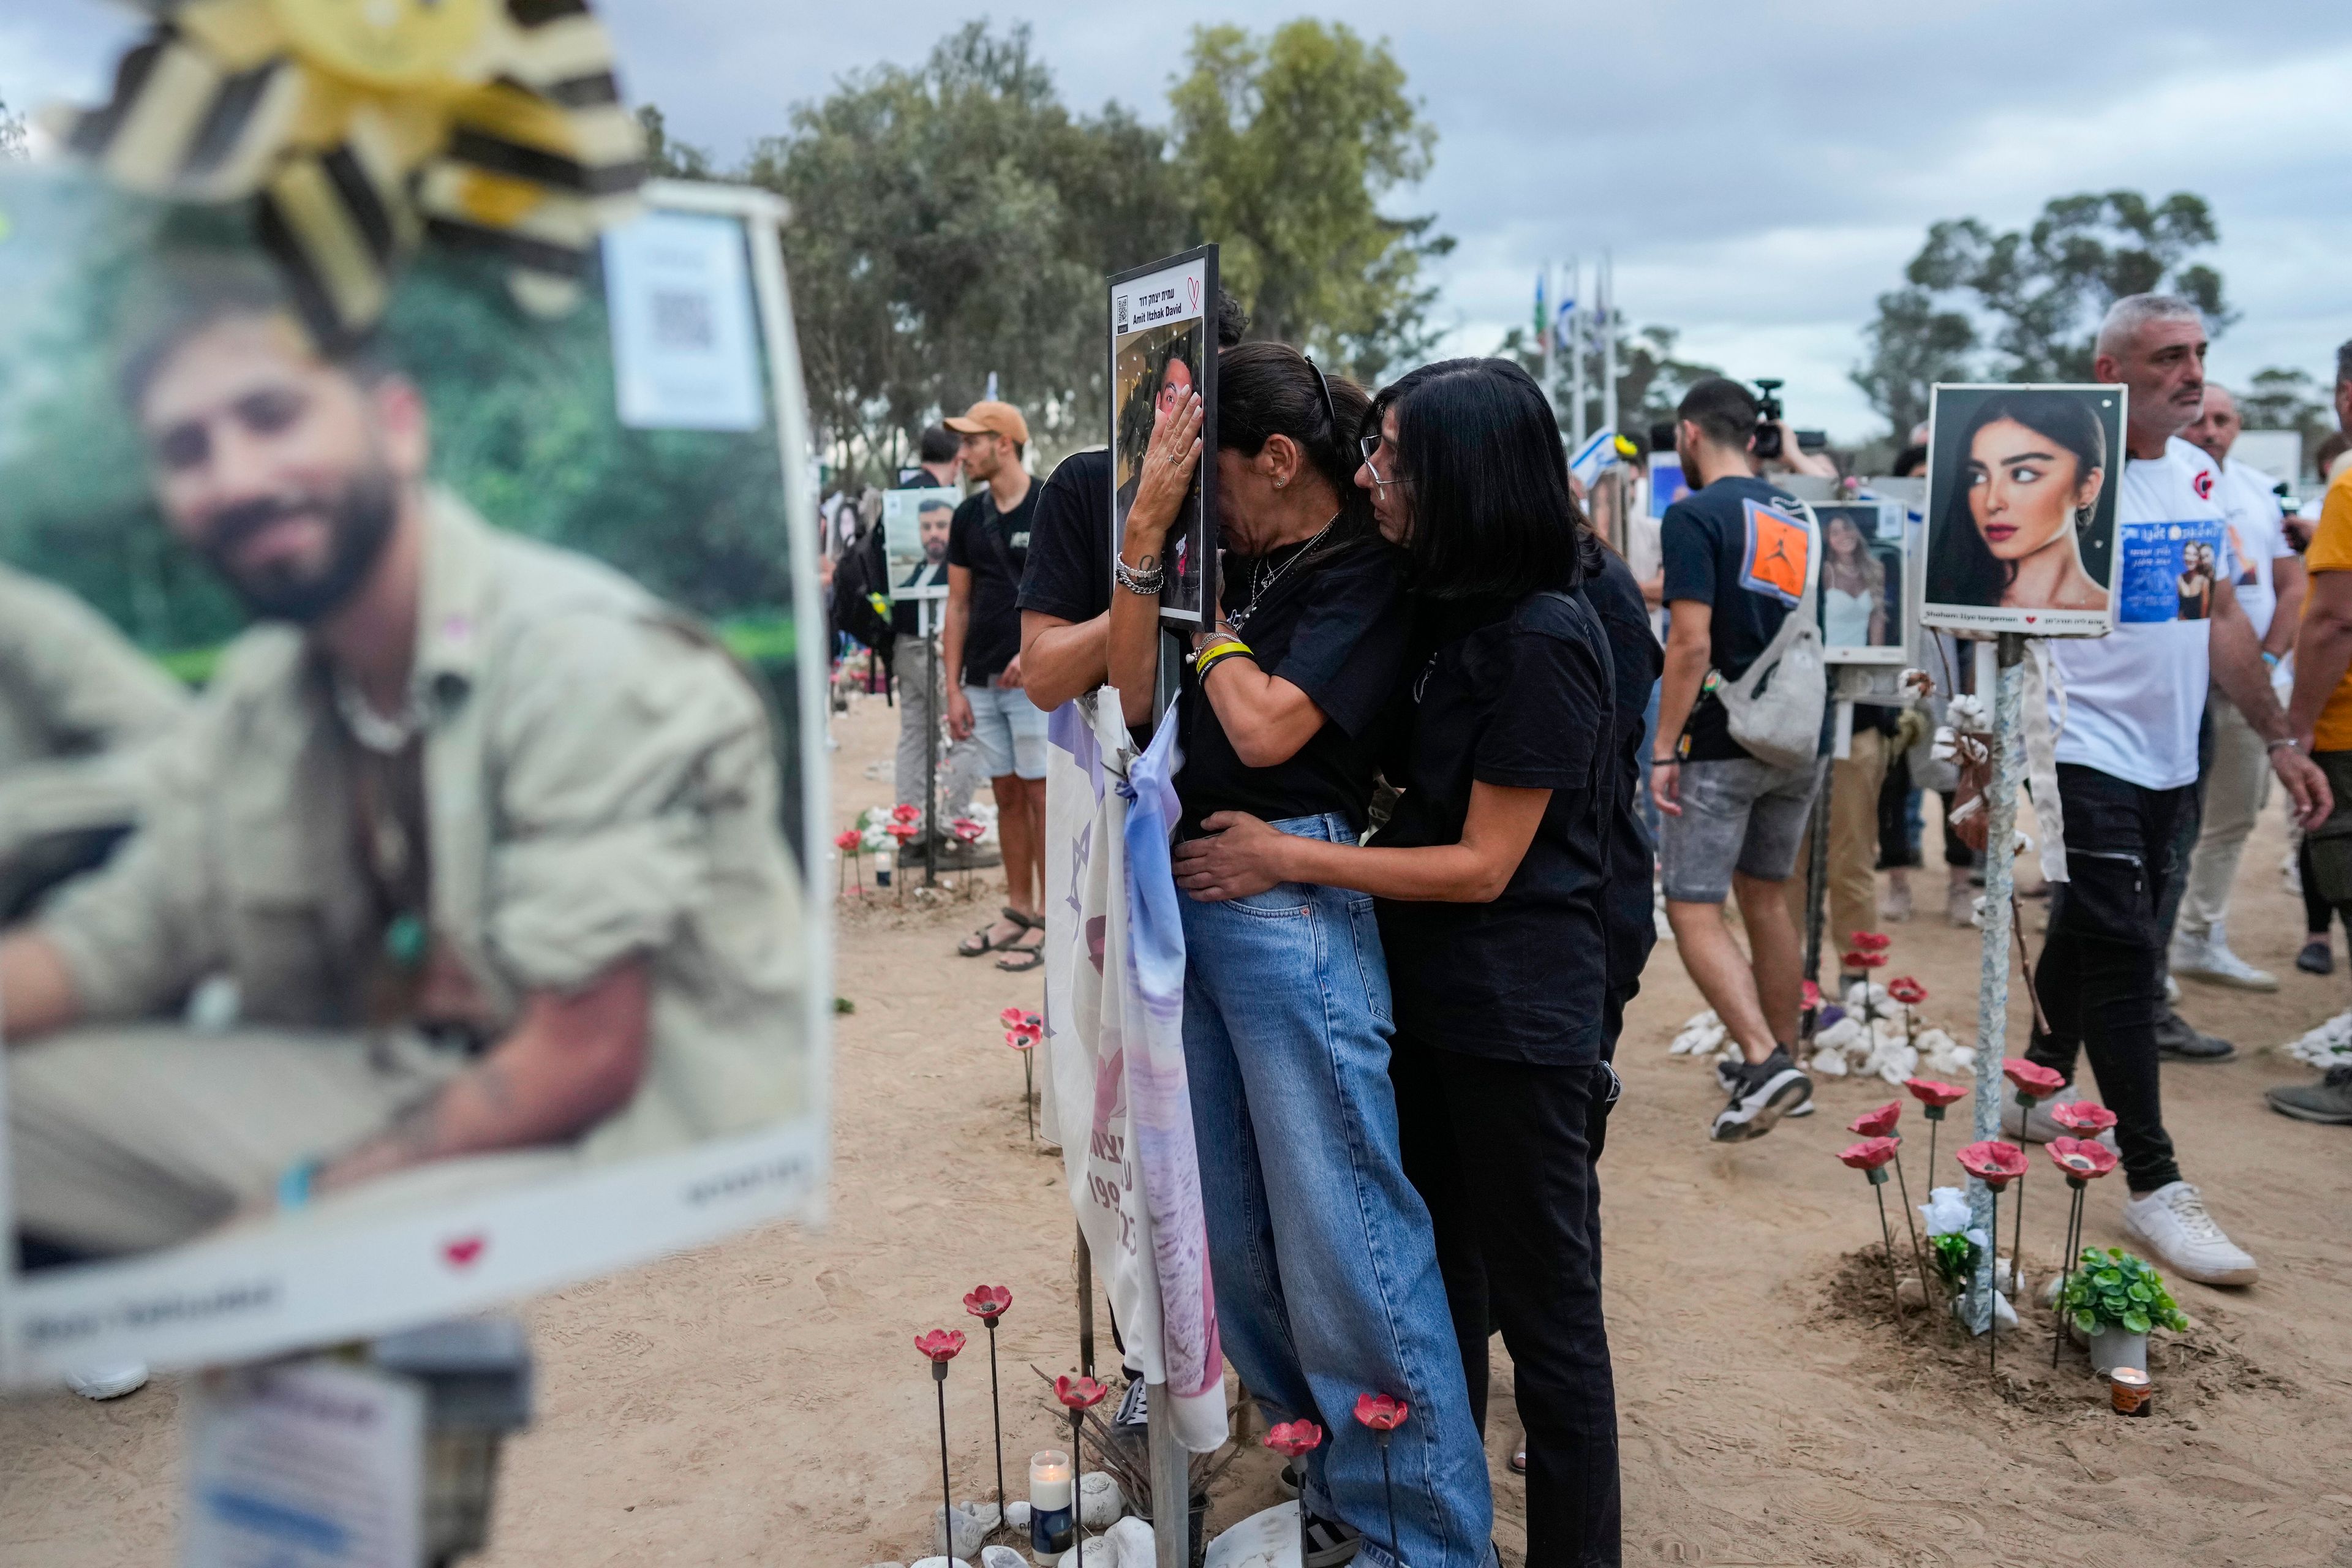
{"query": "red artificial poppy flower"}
{"type": "Point", "coordinates": [1380, 1412]}
{"type": "Point", "coordinates": [1907, 991]}
{"type": "Point", "coordinates": [1012, 1017]}
{"type": "Point", "coordinates": [988, 1300]}
{"type": "Point", "coordinates": [2082, 1158]}
{"type": "Point", "coordinates": [1292, 1439]}
{"type": "Point", "coordinates": [1877, 1123]}
{"type": "Point", "coordinates": [1861, 960]}
{"type": "Point", "coordinates": [940, 1344]}
{"type": "Point", "coordinates": [1870, 1153]}
{"type": "Point", "coordinates": [1812, 995]}
{"type": "Point", "coordinates": [1873, 941]}
{"type": "Point", "coordinates": [2081, 1118]}
{"type": "Point", "coordinates": [2030, 1077]}
{"type": "Point", "coordinates": [1996, 1165]}
{"type": "Point", "coordinates": [1927, 1091]}
{"type": "Point", "coordinates": [847, 839]}
{"type": "Point", "coordinates": [1022, 1039]}
{"type": "Point", "coordinates": [1079, 1393]}
{"type": "Point", "coordinates": [966, 830]}
{"type": "Point", "coordinates": [902, 831]}
{"type": "Point", "coordinates": [905, 812]}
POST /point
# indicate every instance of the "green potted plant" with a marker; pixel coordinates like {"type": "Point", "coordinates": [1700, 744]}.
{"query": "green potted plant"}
{"type": "Point", "coordinates": [2113, 1299]}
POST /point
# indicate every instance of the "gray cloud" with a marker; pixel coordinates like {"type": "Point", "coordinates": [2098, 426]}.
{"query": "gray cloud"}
{"type": "Point", "coordinates": [1760, 171]}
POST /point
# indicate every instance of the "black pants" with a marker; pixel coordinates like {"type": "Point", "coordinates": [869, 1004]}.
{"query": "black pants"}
{"type": "Point", "coordinates": [2185, 829]}
{"type": "Point", "coordinates": [2101, 978]}
{"type": "Point", "coordinates": [2317, 912]}
{"type": "Point", "coordinates": [1502, 1152]}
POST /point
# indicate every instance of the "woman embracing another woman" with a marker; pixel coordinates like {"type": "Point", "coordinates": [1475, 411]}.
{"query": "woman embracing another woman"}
{"type": "Point", "coordinates": [1323, 1255]}
{"type": "Point", "coordinates": [1490, 881]}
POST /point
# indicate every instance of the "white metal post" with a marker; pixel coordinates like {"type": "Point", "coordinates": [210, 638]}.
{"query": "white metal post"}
{"type": "Point", "coordinates": [1992, 983]}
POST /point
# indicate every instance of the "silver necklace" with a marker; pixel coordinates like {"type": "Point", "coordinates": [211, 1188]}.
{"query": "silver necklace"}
{"type": "Point", "coordinates": [1240, 617]}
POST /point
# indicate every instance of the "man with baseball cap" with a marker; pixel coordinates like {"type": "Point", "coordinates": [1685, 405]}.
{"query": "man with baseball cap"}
{"type": "Point", "coordinates": [988, 546]}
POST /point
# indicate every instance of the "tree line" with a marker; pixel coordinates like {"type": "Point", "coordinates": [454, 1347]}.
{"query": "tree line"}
{"type": "Point", "coordinates": [1982, 304]}
{"type": "Point", "coordinates": [957, 219]}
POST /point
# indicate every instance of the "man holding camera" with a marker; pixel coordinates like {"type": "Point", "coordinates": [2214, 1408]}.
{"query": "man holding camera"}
{"type": "Point", "coordinates": [1736, 567]}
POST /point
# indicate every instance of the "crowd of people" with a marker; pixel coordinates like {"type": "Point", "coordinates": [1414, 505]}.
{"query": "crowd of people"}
{"type": "Point", "coordinates": [1443, 746]}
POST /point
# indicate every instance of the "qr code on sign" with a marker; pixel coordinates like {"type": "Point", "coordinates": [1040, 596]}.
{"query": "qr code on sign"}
{"type": "Point", "coordinates": [682, 321]}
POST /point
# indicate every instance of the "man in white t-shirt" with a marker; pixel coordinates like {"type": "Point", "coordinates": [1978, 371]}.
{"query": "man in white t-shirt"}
{"type": "Point", "coordinates": [2237, 783]}
{"type": "Point", "coordinates": [2128, 774]}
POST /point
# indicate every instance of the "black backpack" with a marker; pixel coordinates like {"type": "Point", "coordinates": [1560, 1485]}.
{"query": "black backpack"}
{"type": "Point", "coordinates": [861, 594]}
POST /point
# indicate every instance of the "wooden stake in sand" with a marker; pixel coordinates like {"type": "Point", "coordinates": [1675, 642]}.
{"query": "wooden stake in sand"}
{"type": "Point", "coordinates": [1992, 984]}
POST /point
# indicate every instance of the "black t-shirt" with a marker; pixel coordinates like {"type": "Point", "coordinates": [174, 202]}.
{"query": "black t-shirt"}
{"type": "Point", "coordinates": [907, 612]}
{"type": "Point", "coordinates": [1719, 550]}
{"type": "Point", "coordinates": [1334, 627]}
{"type": "Point", "coordinates": [1524, 702]}
{"type": "Point", "coordinates": [992, 546]}
{"type": "Point", "coordinates": [1633, 650]}
{"type": "Point", "coordinates": [1069, 541]}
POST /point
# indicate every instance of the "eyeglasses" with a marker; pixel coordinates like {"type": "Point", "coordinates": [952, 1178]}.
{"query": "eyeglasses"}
{"type": "Point", "coordinates": [1330, 410]}
{"type": "Point", "coordinates": [1370, 446]}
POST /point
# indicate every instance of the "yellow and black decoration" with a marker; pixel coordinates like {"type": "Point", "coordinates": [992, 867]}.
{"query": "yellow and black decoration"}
{"type": "Point", "coordinates": [362, 127]}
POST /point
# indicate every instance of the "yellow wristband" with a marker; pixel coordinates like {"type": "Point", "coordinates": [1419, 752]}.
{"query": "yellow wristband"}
{"type": "Point", "coordinates": [1221, 647]}
{"type": "Point", "coordinates": [1218, 656]}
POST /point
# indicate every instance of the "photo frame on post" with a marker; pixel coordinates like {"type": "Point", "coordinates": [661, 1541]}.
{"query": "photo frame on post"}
{"type": "Point", "coordinates": [276, 1005]}
{"type": "Point", "coordinates": [2022, 487]}
{"type": "Point", "coordinates": [1865, 600]}
{"type": "Point", "coordinates": [1163, 343]}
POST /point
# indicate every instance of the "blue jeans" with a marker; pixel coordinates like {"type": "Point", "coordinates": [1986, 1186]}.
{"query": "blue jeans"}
{"type": "Point", "coordinates": [1287, 1026]}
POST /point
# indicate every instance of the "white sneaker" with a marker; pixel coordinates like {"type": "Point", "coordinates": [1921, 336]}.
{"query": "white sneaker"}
{"type": "Point", "coordinates": [2172, 1223]}
{"type": "Point", "coordinates": [108, 1382]}
{"type": "Point", "coordinates": [2209, 958]}
{"type": "Point", "coordinates": [2172, 989]}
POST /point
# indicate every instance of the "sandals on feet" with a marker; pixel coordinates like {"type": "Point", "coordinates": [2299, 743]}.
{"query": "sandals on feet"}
{"type": "Point", "coordinates": [982, 941]}
{"type": "Point", "coordinates": [1021, 957]}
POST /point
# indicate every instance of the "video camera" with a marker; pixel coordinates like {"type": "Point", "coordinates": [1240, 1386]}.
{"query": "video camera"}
{"type": "Point", "coordinates": [1767, 423]}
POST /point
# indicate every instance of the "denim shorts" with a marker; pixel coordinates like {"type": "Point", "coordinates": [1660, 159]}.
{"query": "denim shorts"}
{"type": "Point", "coordinates": [1737, 815]}
{"type": "Point", "coordinates": [1009, 730]}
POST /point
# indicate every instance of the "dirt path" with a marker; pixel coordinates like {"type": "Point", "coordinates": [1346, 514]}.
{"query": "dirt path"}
{"type": "Point", "coordinates": [760, 1402]}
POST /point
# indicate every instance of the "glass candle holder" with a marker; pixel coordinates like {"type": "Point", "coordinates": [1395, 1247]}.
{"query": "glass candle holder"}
{"type": "Point", "coordinates": [1053, 1506]}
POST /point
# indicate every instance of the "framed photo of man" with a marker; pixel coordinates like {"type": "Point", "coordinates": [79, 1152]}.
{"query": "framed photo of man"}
{"type": "Point", "coordinates": [1865, 581]}
{"type": "Point", "coordinates": [2022, 488]}
{"type": "Point", "coordinates": [460, 942]}
{"type": "Point", "coordinates": [1162, 347]}
{"type": "Point", "coordinates": [915, 539]}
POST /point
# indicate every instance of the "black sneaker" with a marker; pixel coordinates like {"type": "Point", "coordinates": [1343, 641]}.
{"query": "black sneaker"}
{"type": "Point", "coordinates": [2316, 957]}
{"type": "Point", "coordinates": [2179, 1040]}
{"type": "Point", "coordinates": [1766, 1091]}
{"type": "Point", "coordinates": [2328, 1101]}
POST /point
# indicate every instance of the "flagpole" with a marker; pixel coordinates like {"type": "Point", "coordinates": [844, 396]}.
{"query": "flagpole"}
{"type": "Point", "coordinates": [1544, 332]}
{"type": "Point", "coordinates": [1576, 353]}
{"type": "Point", "coordinates": [1604, 296]}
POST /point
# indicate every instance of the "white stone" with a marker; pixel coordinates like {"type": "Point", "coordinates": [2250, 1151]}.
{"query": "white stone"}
{"type": "Point", "coordinates": [1016, 1513]}
{"type": "Point", "coordinates": [969, 1531]}
{"type": "Point", "coordinates": [1829, 1063]}
{"type": "Point", "coordinates": [1131, 1544]}
{"type": "Point", "coordinates": [1100, 1502]}
{"type": "Point", "coordinates": [1002, 1557]}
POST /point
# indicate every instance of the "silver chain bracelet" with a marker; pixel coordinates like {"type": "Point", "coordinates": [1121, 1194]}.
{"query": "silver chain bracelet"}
{"type": "Point", "coordinates": [1146, 583]}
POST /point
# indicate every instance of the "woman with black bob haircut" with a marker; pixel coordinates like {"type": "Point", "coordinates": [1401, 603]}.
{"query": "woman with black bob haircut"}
{"type": "Point", "coordinates": [1491, 878]}
{"type": "Point", "coordinates": [1322, 1252]}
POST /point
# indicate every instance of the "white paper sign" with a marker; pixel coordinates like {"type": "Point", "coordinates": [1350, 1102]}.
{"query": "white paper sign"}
{"type": "Point", "coordinates": [311, 1464]}
{"type": "Point", "coordinates": [680, 294]}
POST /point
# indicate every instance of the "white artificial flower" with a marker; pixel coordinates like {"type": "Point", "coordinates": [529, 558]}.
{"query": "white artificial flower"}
{"type": "Point", "coordinates": [1945, 1211]}
{"type": "Point", "coordinates": [1968, 711]}
{"type": "Point", "coordinates": [2330, 1045]}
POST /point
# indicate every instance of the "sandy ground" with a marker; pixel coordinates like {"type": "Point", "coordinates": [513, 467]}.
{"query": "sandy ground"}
{"type": "Point", "coordinates": [760, 1402]}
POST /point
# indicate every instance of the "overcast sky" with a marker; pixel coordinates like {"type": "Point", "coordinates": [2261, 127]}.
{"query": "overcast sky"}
{"type": "Point", "coordinates": [1761, 170]}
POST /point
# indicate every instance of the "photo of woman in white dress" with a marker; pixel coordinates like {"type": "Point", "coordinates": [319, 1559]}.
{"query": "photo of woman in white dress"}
{"type": "Point", "coordinates": [1853, 585]}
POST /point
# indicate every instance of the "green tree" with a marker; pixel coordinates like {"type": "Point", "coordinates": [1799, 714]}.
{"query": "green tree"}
{"type": "Point", "coordinates": [1285, 148]}
{"type": "Point", "coordinates": [2024, 305]}
{"type": "Point", "coordinates": [953, 221]}
{"type": "Point", "coordinates": [670, 157]}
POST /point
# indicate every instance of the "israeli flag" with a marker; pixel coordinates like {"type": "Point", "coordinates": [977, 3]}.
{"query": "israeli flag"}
{"type": "Point", "coordinates": [1563, 330]}
{"type": "Point", "coordinates": [1594, 458]}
